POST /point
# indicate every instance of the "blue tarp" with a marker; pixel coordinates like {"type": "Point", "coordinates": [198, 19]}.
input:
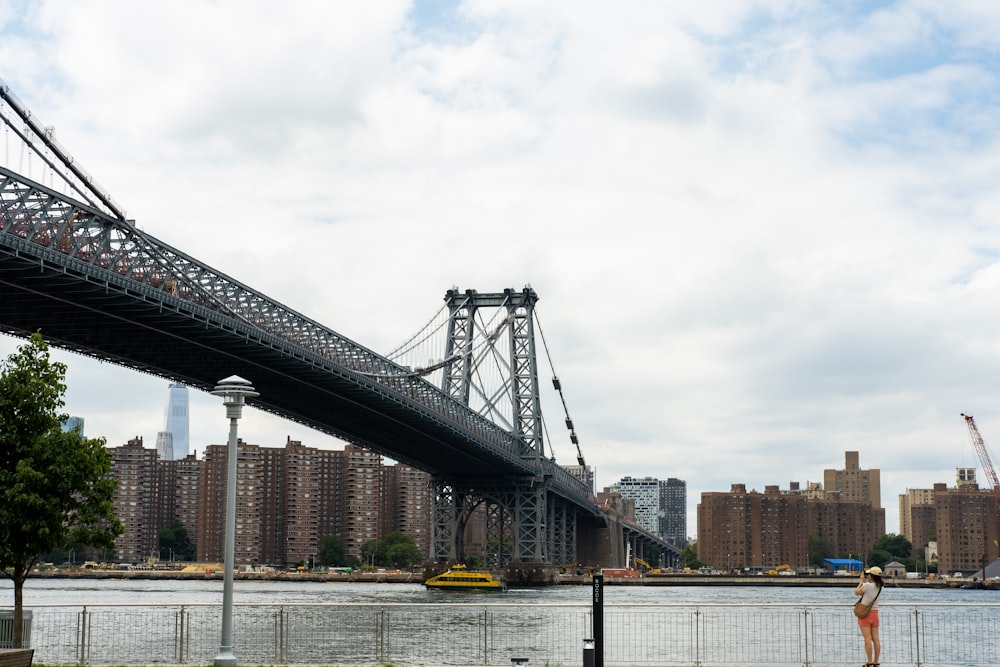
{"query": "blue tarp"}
{"type": "Point", "coordinates": [849, 564]}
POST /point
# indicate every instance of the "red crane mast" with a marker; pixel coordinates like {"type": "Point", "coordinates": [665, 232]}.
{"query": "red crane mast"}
{"type": "Point", "coordinates": [984, 456]}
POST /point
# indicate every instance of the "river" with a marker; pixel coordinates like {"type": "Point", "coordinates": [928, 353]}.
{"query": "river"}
{"type": "Point", "coordinates": [86, 591]}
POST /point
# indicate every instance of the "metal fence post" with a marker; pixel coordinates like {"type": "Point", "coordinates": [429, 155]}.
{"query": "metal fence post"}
{"type": "Point", "coordinates": [180, 635]}
{"type": "Point", "coordinates": [805, 636]}
{"type": "Point", "coordinates": [916, 633]}
{"type": "Point", "coordinates": [280, 637]}
{"type": "Point", "coordinates": [380, 633]}
{"type": "Point", "coordinates": [484, 633]}
{"type": "Point", "coordinates": [697, 637]}
{"type": "Point", "coordinates": [81, 629]}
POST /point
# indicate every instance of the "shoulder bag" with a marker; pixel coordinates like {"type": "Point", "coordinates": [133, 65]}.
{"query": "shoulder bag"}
{"type": "Point", "coordinates": [861, 610]}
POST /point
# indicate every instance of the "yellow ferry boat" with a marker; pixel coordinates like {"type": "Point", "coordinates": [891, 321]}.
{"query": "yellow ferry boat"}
{"type": "Point", "coordinates": [460, 579]}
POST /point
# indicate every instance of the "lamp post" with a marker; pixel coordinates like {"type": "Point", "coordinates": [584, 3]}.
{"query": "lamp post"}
{"type": "Point", "coordinates": [233, 390]}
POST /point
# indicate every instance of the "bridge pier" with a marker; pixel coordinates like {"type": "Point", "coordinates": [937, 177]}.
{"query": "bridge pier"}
{"type": "Point", "coordinates": [531, 574]}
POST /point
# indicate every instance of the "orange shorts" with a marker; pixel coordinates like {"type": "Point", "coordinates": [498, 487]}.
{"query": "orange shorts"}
{"type": "Point", "coordinates": [869, 621]}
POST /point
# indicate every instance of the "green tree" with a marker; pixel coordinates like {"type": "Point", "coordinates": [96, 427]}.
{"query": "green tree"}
{"type": "Point", "coordinates": [370, 555]}
{"type": "Point", "coordinates": [175, 543]}
{"type": "Point", "coordinates": [401, 550]}
{"type": "Point", "coordinates": [897, 546]}
{"type": "Point", "coordinates": [55, 486]}
{"type": "Point", "coordinates": [331, 552]}
{"type": "Point", "coordinates": [891, 547]}
{"type": "Point", "coordinates": [689, 556]}
{"type": "Point", "coordinates": [397, 550]}
{"type": "Point", "coordinates": [819, 550]}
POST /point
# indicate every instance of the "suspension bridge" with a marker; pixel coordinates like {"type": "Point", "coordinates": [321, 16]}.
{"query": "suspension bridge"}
{"type": "Point", "coordinates": [75, 268]}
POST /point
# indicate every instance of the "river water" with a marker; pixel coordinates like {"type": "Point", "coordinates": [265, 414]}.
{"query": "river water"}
{"type": "Point", "coordinates": [85, 591]}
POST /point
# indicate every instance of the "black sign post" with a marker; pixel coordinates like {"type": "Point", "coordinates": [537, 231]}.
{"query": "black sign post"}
{"type": "Point", "coordinates": [598, 615]}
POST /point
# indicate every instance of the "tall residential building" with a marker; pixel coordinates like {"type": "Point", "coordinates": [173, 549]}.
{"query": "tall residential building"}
{"type": "Point", "coordinates": [212, 498]}
{"type": "Point", "coordinates": [967, 522]}
{"type": "Point", "coordinates": [673, 511]}
{"type": "Point", "coordinates": [752, 529]}
{"type": "Point", "coordinates": [137, 501]}
{"type": "Point", "coordinates": [176, 421]}
{"type": "Point", "coordinates": [187, 475]}
{"type": "Point", "coordinates": [360, 500]}
{"type": "Point", "coordinates": [916, 516]}
{"type": "Point", "coordinates": [963, 520]}
{"type": "Point", "coordinates": [409, 504]}
{"type": "Point", "coordinates": [645, 493]}
{"type": "Point", "coordinates": [853, 483]}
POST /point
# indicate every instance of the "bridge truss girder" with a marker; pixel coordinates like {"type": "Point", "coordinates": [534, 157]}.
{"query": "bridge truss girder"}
{"type": "Point", "coordinates": [524, 521]}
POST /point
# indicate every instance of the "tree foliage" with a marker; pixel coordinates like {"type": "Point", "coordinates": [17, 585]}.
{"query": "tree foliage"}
{"type": "Point", "coordinates": [55, 485]}
{"type": "Point", "coordinates": [896, 545]}
{"type": "Point", "coordinates": [175, 543]}
{"type": "Point", "coordinates": [891, 547]}
{"type": "Point", "coordinates": [396, 550]}
{"type": "Point", "coordinates": [332, 553]}
{"type": "Point", "coordinates": [819, 550]}
{"type": "Point", "coordinates": [689, 556]}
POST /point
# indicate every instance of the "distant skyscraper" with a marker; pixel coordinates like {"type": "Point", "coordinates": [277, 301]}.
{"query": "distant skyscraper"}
{"type": "Point", "coordinates": [165, 446]}
{"type": "Point", "coordinates": [177, 419]}
{"type": "Point", "coordinates": [645, 493]}
{"type": "Point", "coordinates": [673, 510]}
{"type": "Point", "coordinates": [72, 423]}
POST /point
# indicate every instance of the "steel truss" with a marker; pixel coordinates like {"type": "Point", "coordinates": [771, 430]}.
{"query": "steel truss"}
{"type": "Point", "coordinates": [523, 521]}
{"type": "Point", "coordinates": [521, 517]}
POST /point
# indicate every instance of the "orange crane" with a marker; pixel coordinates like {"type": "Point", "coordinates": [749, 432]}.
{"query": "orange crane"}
{"type": "Point", "coordinates": [984, 456]}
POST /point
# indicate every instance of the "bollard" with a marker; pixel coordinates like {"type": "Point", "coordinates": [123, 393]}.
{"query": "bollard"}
{"type": "Point", "coordinates": [597, 622]}
{"type": "Point", "coordinates": [588, 653]}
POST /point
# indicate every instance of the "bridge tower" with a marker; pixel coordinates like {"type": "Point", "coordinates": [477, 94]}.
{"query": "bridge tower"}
{"type": "Point", "coordinates": [492, 335]}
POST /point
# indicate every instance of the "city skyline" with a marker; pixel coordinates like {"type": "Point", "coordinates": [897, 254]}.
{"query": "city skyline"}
{"type": "Point", "coordinates": [857, 477]}
{"type": "Point", "coordinates": [759, 232]}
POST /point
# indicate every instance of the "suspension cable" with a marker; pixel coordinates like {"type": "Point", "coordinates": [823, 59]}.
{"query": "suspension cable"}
{"type": "Point", "coordinates": [558, 387]}
{"type": "Point", "coordinates": [400, 348]}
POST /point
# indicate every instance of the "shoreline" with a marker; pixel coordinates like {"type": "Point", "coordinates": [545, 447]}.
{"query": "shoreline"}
{"type": "Point", "coordinates": [676, 579]}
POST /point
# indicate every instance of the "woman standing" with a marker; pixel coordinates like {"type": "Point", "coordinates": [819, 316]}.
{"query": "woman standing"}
{"type": "Point", "coordinates": [869, 588]}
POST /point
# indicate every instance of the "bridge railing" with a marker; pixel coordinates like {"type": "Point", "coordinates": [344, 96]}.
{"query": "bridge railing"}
{"type": "Point", "coordinates": [493, 634]}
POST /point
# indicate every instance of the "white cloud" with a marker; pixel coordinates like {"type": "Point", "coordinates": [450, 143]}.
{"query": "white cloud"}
{"type": "Point", "coordinates": [762, 233]}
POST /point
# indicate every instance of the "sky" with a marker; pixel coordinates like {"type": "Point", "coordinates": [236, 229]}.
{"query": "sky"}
{"type": "Point", "coordinates": [762, 233]}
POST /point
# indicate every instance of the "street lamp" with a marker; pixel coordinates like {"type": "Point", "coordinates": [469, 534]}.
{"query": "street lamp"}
{"type": "Point", "coordinates": [233, 390]}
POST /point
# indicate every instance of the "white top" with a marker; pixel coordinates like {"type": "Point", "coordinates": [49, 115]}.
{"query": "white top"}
{"type": "Point", "coordinates": [869, 592]}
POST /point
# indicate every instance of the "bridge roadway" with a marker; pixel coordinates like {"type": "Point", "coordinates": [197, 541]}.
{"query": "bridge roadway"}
{"type": "Point", "coordinates": [101, 287]}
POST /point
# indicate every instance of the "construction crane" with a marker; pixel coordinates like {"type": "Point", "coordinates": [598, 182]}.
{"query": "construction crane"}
{"type": "Point", "coordinates": [984, 456]}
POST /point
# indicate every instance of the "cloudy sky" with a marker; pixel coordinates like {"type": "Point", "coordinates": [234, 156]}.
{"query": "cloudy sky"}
{"type": "Point", "coordinates": [762, 233]}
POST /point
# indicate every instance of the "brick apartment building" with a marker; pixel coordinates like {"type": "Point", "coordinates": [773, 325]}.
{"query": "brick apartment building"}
{"type": "Point", "coordinates": [761, 530]}
{"type": "Point", "coordinates": [965, 520]}
{"type": "Point", "coordinates": [288, 500]}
